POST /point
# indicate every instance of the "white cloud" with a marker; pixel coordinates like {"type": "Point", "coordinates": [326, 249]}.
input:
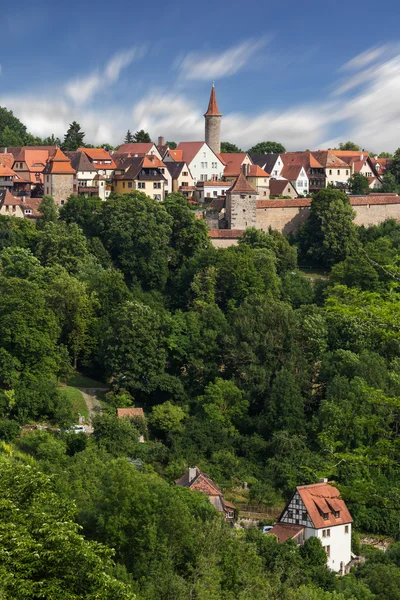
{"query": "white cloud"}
{"type": "Point", "coordinates": [196, 65]}
{"type": "Point", "coordinates": [82, 89]}
{"type": "Point", "coordinates": [365, 58]}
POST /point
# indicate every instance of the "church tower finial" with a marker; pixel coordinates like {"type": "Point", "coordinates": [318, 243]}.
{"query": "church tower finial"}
{"type": "Point", "coordinates": [213, 123]}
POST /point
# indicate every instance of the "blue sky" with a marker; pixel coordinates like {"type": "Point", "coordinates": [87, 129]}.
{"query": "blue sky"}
{"type": "Point", "coordinates": [306, 73]}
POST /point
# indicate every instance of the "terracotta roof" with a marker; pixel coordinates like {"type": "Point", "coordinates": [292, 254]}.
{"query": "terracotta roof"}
{"type": "Point", "coordinates": [7, 159]}
{"type": "Point", "coordinates": [374, 199]}
{"type": "Point", "coordinates": [59, 164]}
{"type": "Point", "coordinates": [217, 204]}
{"type": "Point", "coordinates": [130, 412]}
{"type": "Point", "coordinates": [288, 203]}
{"type": "Point", "coordinates": [150, 161]}
{"type": "Point", "coordinates": [6, 171]}
{"type": "Point", "coordinates": [347, 153]}
{"type": "Point", "coordinates": [99, 154]}
{"type": "Point", "coordinates": [257, 171]}
{"type": "Point", "coordinates": [220, 158]}
{"type": "Point", "coordinates": [213, 110]}
{"type": "Point", "coordinates": [324, 498]}
{"type": "Point", "coordinates": [177, 155]}
{"type": "Point", "coordinates": [35, 159]}
{"type": "Point", "coordinates": [233, 162]}
{"type": "Point", "coordinates": [285, 531]}
{"type": "Point", "coordinates": [189, 150]}
{"type": "Point", "coordinates": [226, 184]}
{"type": "Point", "coordinates": [306, 159]}
{"type": "Point", "coordinates": [136, 148]}
{"type": "Point", "coordinates": [291, 172]}
{"type": "Point", "coordinates": [327, 159]}
{"type": "Point", "coordinates": [225, 233]}
{"type": "Point", "coordinates": [242, 186]}
{"type": "Point", "coordinates": [278, 186]}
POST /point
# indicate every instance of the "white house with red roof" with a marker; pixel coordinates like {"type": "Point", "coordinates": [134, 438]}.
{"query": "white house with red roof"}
{"type": "Point", "coordinates": [203, 163]}
{"type": "Point", "coordinates": [139, 149]}
{"type": "Point", "coordinates": [318, 510]}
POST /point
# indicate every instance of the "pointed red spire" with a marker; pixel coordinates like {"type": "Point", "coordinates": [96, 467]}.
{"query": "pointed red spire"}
{"type": "Point", "coordinates": [213, 110]}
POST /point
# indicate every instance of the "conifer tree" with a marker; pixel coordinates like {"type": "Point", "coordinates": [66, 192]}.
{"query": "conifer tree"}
{"type": "Point", "coordinates": [73, 139]}
{"type": "Point", "coordinates": [129, 137]}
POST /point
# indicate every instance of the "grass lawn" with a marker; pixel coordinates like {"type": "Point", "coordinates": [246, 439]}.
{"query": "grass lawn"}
{"type": "Point", "coordinates": [77, 400]}
{"type": "Point", "coordinates": [314, 272]}
{"type": "Point", "coordinates": [80, 381]}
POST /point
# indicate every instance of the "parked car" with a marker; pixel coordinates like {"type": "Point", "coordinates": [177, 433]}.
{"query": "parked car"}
{"type": "Point", "coordinates": [267, 528]}
{"type": "Point", "coordinates": [76, 429]}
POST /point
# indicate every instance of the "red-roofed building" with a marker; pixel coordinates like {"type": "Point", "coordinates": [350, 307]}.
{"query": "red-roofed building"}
{"type": "Point", "coordinates": [59, 177]}
{"type": "Point", "coordinates": [236, 163]}
{"type": "Point", "coordinates": [101, 160]}
{"type": "Point", "coordinates": [173, 156]}
{"type": "Point", "coordinates": [259, 180]}
{"type": "Point", "coordinates": [203, 163]}
{"type": "Point", "coordinates": [241, 204]}
{"type": "Point", "coordinates": [195, 480]}
{"type": "Point", "coordinates": [139, 149]}
{"type": "Point", "coordinates": [29, 165]}
{"type": "Point", "coordinates": [321, 511]}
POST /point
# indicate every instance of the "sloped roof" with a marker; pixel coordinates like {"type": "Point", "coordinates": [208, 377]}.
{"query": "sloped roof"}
{"type": "Point", "coordinates": [59, 164]}
{"type": "Point", "coordinates": [242, 186]}
{"type": "Point", "coordinates": [233, 162]}
{"type": "Point", "coordinates": [200, 482]}
{"type": "Point", "coordinates": [7, 159]}
{"type": "Point", "coordinates": [327, 159]}
{"type": "Point", "coordinates": [278, 186]}
{"type": "Point", "coordinates": [136, 148]}
{"type": "Point", "coordinates": [325, 498]}
{"type": "Point", "coordinates": [6, 171]}
{"type": "Point", "coordinates": [189, 150]}
{"type": "Point", "coordinates": [177, 155]}
{"type": "Point", "coordinates": [257, 171]}
{"type": "Point", "coordinates": [285, 531]}
{"type": "Point", "coordinates": [35, 159]}
{"type": "Point", "coordinates": [225, 233]}
{"type": "Point", "coordinates": [175, 168]}
{"type": "Point", "coordinates": [265, 161]}
{"type": "Point", "coordinates": [130, 412]}
{"type": "Point", "coordinates": [291, 172]}
{"type": "Point", "coordinates": [306, 159]}
{"type": "Point", "coordinates": [212, 110]}
{"type": "Point", "coordinates": [80, 161]}
{"type": "Point", "coordinates": [150, 161]}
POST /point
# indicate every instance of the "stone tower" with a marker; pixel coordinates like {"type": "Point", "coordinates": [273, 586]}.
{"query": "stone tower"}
{"type": "Point", "coordinates": [213, 123]}
{"type": "Point", "coordinates": [241, 202]}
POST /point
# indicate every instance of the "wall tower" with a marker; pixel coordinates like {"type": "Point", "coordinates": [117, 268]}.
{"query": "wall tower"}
{"type": "Point", "coordinates": [213, 123]}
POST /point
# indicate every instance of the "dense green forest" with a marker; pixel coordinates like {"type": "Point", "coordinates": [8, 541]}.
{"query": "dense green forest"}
{"type": "Point", "coordinates": [243, 365]}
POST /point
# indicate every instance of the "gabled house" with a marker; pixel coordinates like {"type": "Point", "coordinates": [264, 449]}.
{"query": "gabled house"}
{"type": "Point", "coordinates": [173, 156]}
{"type": "Point", "coordinates": [271, 163]}
{"type": "Point", "coordinates": [142, 173]}
{"type": "Point", "coordinates": [59, 177]}
{"type": "Point", "coordinates": [139, 149]}
{"type": "Point", "coordinates": [194, 479]}
{"type": "Point", "coordinates": [101, 160]}
{"type": "Point", "coordinates": [235, 163]}
{"type": "Point", "coordinates": [7, 176]}
{"type": "Point", "coordinates": [282, 187]}
{"type": "Point", "coordinates": [337, 172]}
{"type": "Point", "coordinates": [181, 178]}
{"type": "Point", "coordinates": [88, 180]}
{"type": "Point", "coordinates": [361, 162]}
{"type": "Point", "coordinates": [203, 163]}
{"type": "Point", "coordinates": [297, 176]}
{"type": "Point", "coordinates": [314, 170]}
{"type": "Point", "coordinates": [10, 206]}
{"type": "Point", "coordinates": [259, 180]}
{"type": "Point", "coordinates": [29, 165]}
{"type": "Point", "coordinates": [318, 510]}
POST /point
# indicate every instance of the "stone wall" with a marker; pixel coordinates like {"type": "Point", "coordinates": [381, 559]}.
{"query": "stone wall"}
{"type": "Point", "coordinates": [241, 210]}
{"type": "Point", "coordinates": [62, 186]}
{"type": "Point", "coordinates": [213, 133]}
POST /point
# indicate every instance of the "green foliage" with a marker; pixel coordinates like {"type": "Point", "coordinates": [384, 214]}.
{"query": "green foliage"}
{"type": "Point", "coordinates": [10, 125]}
{"type": "Point", "coordinates": [349, 146]}
{"type": "Point", "coordinates": [389, 183]}
{"type": "Point", "coordinates": [141, 137]}
{"type": "Point", "coordinates": [329, 235]}
{"type": "Point", "coordinates": [129, 139]}
{"type": "Point", "coordinates": [394, 166]}
{"type": "Point", "coordinates": [167, 417]}
{"type": "Point", "coordinates": [73, 139]}
{"type": "Point", "coordinates": [171, 145]}
{"type": "Point", "coordinates": [49, 211]}
{"type": "Point", "coordinates": [267, 148]}
{"type": "Point", "coordinates": [358, 184]}
{"type": "Point", "coordinates": [229, 148]}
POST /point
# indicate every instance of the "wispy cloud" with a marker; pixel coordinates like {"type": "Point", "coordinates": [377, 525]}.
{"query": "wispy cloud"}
{"type": "Point", "coordinates": [197, 65]}
{"type": "Point", "coordinates": [82, 89]}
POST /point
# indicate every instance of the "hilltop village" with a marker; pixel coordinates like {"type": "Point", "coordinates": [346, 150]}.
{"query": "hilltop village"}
{"type": "Point", "coordinates": [233, 190]}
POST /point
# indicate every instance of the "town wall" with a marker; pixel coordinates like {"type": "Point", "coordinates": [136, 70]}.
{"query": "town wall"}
{"type": "Point", "coordinates": [62, 186]}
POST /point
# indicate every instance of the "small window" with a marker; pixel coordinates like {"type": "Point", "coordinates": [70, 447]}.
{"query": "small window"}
{"type": "Point", "coordinates": [337, 514]}
{"type": "Point", "coordinates": [129, 184]}
{"type": "Point", "coordinates": [328, 533]}
{"type": "Point", "coordinates": [347, 172]}
{"type": "Point", "coordinates": [346, 529]}
{"type": "Point", "coordinates": [324, 533]}
{"type": "Point", "coordinates": [123, 184]}
{"type": "Point", "coordinates": [290, 514]}
{"type": "Point", "coordinates": [325, 516]}
{"type": "Point", "coordinates": [330, 171]}
{"type": "Point", "coordinates": [62, 202]}
{"type": "Point", "coordinates": [328, 551]}
{"type": "Point", "coordinates": [185, 173]}
{"type": "Point", "coordinates": [338, 172]}
{"type": "Point", "coordinates": [304, 516]}
{"type": "Point", "coordinates": [141, 185]}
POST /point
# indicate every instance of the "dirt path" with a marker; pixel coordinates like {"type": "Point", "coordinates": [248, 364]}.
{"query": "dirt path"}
{"type": "Point", "coordinates": [92, 403]}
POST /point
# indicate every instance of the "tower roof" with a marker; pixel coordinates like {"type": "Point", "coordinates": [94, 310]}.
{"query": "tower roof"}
{"type": "Point", "coordinates": [213, 110]}
{"type": "Point", "coordinates": [242, 186]}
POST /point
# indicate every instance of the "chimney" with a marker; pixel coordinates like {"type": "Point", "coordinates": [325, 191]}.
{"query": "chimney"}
{"type": "Point", "coordinates": [323, 480]}
{"type": "Point", "coordinates": [160, 140]}
{"type": "Point", "coordinates": [192, 473]}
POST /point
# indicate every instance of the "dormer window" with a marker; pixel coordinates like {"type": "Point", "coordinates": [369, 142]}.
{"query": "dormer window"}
{"type": "Point", "coordinates": [337, 514]}
{"type": "Point", "coordinates": [325, 516]}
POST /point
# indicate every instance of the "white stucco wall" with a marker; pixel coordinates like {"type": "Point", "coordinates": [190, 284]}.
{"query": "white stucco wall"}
{"type": "Point", "coordinates": [206, 165]}
{"type": "Point", "coordinates": [335, 174]}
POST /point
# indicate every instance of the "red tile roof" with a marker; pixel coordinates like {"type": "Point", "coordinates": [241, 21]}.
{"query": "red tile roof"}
{"type": "Point", "coordinates": [288, 203]}
{"type": "Point", "coordinates": [324, 498]}
{"type": "Point", "coordinates": [285, 531]}
{"type": "Point", "coordinates": [130, 412]}
{"type": "Point", "coordinates": [136, 148]}
{"type": "Point", "coordinates": [233, 162]}
{"type": "Point", "coordinates": [256, 171]}
{"type": "Point", "coordinates": [150, 161]}
{"type": "Point", "coordinates": [291, 172]}
{"type": "Point", "coordinates": [59, 164]}
{"type": "Point", "coordinates": [242, 186]}
{"type": "Point", "coordinates": [99, 154]}
{"type": "Point", "coordinates": [189, 150]}
{"type": "Point", "coordinates": [225, 233]}
{"type": "Point", "coordinates": [7, 159]}
{"type": "Point", "coordinates": [177, 155]}
{"type": "Point", "coordinates": [327, 159]}
{"type": "Point", "coordinates": [6, 171]}
{"type": "Point", "coordinates": [213, 110]}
